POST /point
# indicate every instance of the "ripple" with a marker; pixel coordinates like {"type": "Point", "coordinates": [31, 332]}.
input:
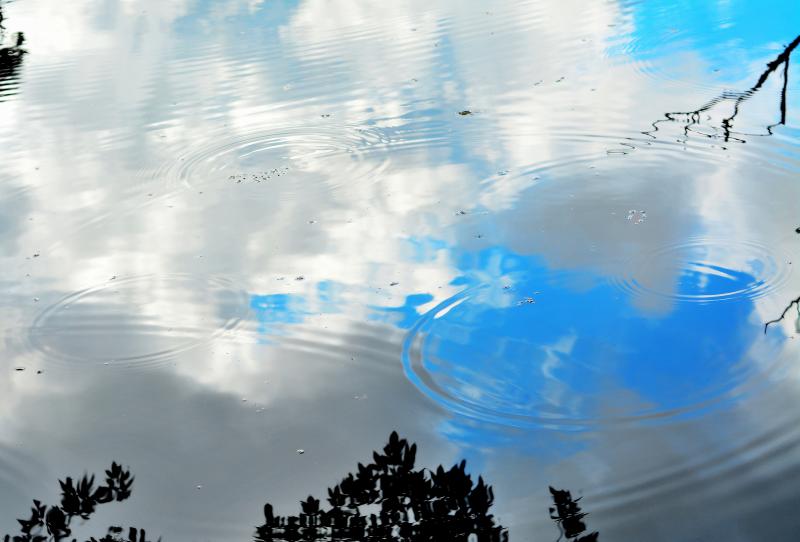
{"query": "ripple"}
{"type": "Point", "coordinates": [565, 349]}
{"type": "Point", "coordinates": [705, 270]}
{"type": "Point", "coordinates": [137, 321]}
{"type": "Point", "coordinates": [298, 156]}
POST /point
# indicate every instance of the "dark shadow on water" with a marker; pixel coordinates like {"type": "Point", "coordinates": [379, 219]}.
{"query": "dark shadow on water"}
{"type": "Point", "coordinates": [694, 118]}
{"type": "Point", "coordinates": [385, 500]}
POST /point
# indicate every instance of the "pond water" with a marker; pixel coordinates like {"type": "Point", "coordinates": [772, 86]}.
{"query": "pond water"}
{"type": "Point", "coordinates": [243, 242]}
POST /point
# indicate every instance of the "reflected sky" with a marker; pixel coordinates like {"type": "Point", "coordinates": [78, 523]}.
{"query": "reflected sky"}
{"type": "Point", "coordinates": [234, 230]}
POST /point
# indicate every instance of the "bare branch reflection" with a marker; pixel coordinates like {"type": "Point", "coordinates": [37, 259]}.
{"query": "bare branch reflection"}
{"type": "Point", "coordinates": [692, 119]}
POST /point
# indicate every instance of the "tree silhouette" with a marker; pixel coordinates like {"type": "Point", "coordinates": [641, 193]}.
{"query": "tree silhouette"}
{"type": "Point", "coordinates": [569, 517]}
{"type": "Point", "coordinates": [387, 500]}
{"type": "Point", "coordinates": [78, 499]}
{"type": "Point", "coordinates": [694, 118]}
{"type": "Point", "coordinates": [410, 505]}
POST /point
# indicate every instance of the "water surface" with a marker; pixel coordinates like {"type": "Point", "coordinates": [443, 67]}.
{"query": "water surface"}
{"type": "Point", "coordinates": [542, 236]}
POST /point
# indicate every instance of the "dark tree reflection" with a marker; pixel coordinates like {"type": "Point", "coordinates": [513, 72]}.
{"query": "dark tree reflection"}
{"type": "Point", "coordinates": [409, 505]}
{"type": "Point", "coordinates": [11, 55]}
{"type": "Point", "coordinates": [569, 517]}
{"type": "Point", "coordinates": [692, 119]}
{"type": "Point", "coordinates": [387, 500]}
{"type": "Point", "coordinates": [79, 499]}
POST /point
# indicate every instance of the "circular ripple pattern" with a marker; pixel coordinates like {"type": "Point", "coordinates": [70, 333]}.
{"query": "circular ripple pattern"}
{"type": "Point", "coordinates": [707, 270]}
{"type": "Point", "coordinates": [299, 155]}
{"type": "Point", "coordinates": [563, 349]}
{"type": "Point", "coordinates": [137, 321]}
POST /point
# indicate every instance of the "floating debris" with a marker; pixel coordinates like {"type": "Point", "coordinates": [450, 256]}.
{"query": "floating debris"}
{"type": "Point", "coordinates": [393, 283]}
{"type": "Point", "coordinates": [301, 451]}
{"type": "Point", "coordinates": [465, 112]}
{"type": "Point", "coordinates": [300, 277]}
{"type": "Point", "coordinates": [461, 212]}
{"type": "Point", "coordinates": [637, 217]}
{"type": "Point", "coordinates": [19, 369]}
{"type": "Point", "coordinates": [527, 301]}
{"type": "Point", "coordinates": [259, 177]}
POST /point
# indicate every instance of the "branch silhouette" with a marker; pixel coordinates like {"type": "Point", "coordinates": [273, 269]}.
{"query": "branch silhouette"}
{"type": "Point", "coordinates": [693, 118]}
{"type": "Point", "coordinates": [795, 301]}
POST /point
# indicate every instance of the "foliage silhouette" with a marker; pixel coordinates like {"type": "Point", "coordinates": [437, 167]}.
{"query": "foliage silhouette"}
{"type": "Point", "coordinates": [10, 56]}
{"type": "Point", "coordinates": [79, 499]}
{"type": "Point", "coordinates": [569, 517]}
{"type": "Point", "coordinates": [387, 500]}
{"type": "Point", "coordinates": [410, 505]}
{"type": "Point", "coordinates": [693, 118]}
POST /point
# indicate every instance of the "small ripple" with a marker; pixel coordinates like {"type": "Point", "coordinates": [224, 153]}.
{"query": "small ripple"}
{"type": "Point", "coordinates": [137, 321]}
{"type": "Point", "coordinates": [563, 349]}
{"type": "Point", "coordinates": [255, 160]}
{"type": "Point", "coordinates": [706, 270]}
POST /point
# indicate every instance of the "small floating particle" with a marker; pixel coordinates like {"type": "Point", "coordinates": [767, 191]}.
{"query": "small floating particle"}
{"type": "Point", "coordinates": [393, 283]}
{"type": "Point", "coordinates": [461, 212]}
{"type": "Point", "coordinates": [244, 399]}
{"type": "Point", "coordinates": [300, 277]}
{"type": "Point", "coordinates": [325, 116]}
{"type": "Point", "coordinates": [35, 299]}
{"type": "Point", "coordinates": [36, 255]}
{"type": "Point", "coordinates": [19, 369]}
{"type": "Point", "coordinates": [637, 217]}
{"type": "Point", "coordinates": [198, 486]}
{"type": "Point", "coordinates": [527, 301]}
{"type": "Point", "coordinates": [797, 230]}
{"type": "Point", "coordinates": [301, 451]}
{"type": "Point", "coordinates": [38, 372]}
{"type": "Point", "coordinates": [360, 397]}
{"type": "Point", "coordinates": [465, 112]}
{"type": "Point", "coordinates": [113, 277]}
